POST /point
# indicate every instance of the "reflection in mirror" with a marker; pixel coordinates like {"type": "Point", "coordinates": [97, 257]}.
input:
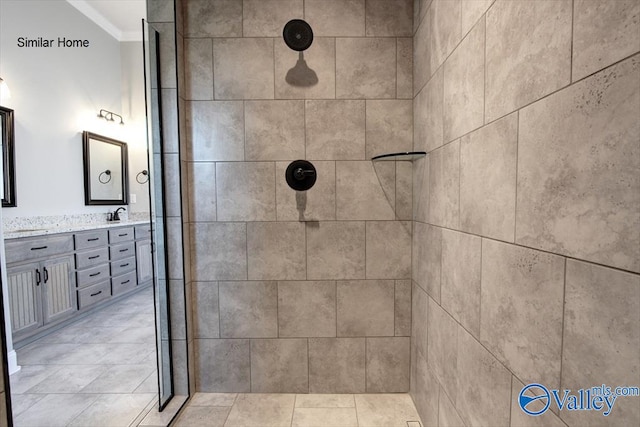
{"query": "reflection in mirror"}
{"type": "Point", "coordinates": [105, 170]}
{"type": "Point", "coordinates": [8, 158]}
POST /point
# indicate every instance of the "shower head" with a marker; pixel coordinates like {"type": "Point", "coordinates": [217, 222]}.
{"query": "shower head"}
{"type": "Point", "coordinates": [298, 35]}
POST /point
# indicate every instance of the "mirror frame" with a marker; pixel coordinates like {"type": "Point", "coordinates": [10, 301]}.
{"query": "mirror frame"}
{"type": "Point", "coordinates": [86, 152]}
{"type": "Point", "coordinates": [8, 158]}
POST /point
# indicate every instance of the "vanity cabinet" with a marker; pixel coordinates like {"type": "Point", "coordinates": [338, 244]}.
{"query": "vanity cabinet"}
{"type": "Point", "coordinates": [144, 250]}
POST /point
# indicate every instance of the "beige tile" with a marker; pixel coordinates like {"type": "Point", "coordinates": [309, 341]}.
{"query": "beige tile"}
{"type": "Point", "coordinates": [325, 401]}
{"type": "Point", "coordinates": [528, 53]}
{"type": "Point", "coordinates": [602, 319]}
{"type": "Point", "coordinates": [274, 130]}
{"type": "Point", "coordinates": [307, 309]}
{"type": "Point", "coordinates": [219, 252]}
{"type": "Point", "coordinates": [260, 410]}
{"type": "Point", "coordinates": [404, 70]}
{"type": "Point", "coordinates": [306, 75]}
{"type": "Point", "coordinates": [365, 308]}
{"type": "Point", "coordinates": [336, 365]}
{"type": "Point", "coordinates": [430, 120]}
{"type": "Point", "coordinates": [389, 18]}
{"type": "Point", "coordinates": [388, 247]}
{"type": "Point", "coordinates": [202, 416]}
{"type": "Point", "coordinates": [222, 365]}
{"type": "Point", "coordinates": [206, 317]}
{"type": "Point", "coordinates": [421, 58]}
{"type": "Point", "coordinates": [167, 48]}
{"type": "Point", "coordinates": [316, 204]}
{"type": "Point", "coordinates": [464, 75]}
{"type": "Point", "coordinates": [442, 347]}
{"type": "Point", "coordinates": [447, 413]}
{"type": "Point", "coordinates": [388, 364]}
{"type": "Point", "coordinates": [246, 191]}
{"type": "Point", "coordinates": [472, 11]}
{"type": "Point", "coordinates": [360, 193]}
{"type": "Point", "coordinates": [521, 287]}
{"type": "Point", "coordinates": [427, 258]}
{"type": "Point", "coordinates": [213, 399]}
{"type": "Point", "coordinates": [484, 385]}
{"type": "Point", "coordinates": [385, 410]}
{"type": "Point", "coordinates": [424, 391]}
{"type": "Point", "coordinates": [202, 189]}
{"type": "Point", "coordinates": [171, 185]}
{"type": "Point", "coordinates": [272, 253]}
{"type": "Point", "coordinates": [243, 68]}
{"type": "Point", "coordinates": [444, 182]}
{"type": "Point", "coordinates": [335, 18]}
{"type": "Point", "coordinates": [403, 308]}
{"type": "Point", "coordinates": [279, 366]}
{"type": "Point", "coordinates": [344, 139]}
{"type": "Point", "coordinates": [578, 186]}
{"type": "Point", "coordinates": [55, 410]}
{"type": "Point", "coordinates": [419, 316]}
{"type": "Point", "coordinates": [603, 32]}
{"type": "Point", "coordinates": [248, 310]}
{"type": "Point", "coordinates": [488, 159]}
{"type": "Point", "coordinates": [404, 190]}
{"type": "Point", "coordinates": [215, 130]}
{"type": "Point", "coordinates": [421, 189]}
{"type": "Point", "coordinates": [198, 69]}
{"type": "Point", "coordinates": [267, 18]}
{"type": "Point", "coordinates": [520, 418]}
{"type": "Point", "coordinates": [336, 250]}
{"type": "Point", "coordinates": [420, 8]}
{"type": "Point", "coordinates": [388, 127]}
{"type": "Point", "coordinates": [160, 11]}
{"type": "Point", "coordinates": [213, 18]}
{"type": "Point", "coordinates": [365, 68]}
{"type": "Point", "coordinates": [444, 23]}
{"type": "Point", "coordinates": [312, 417]}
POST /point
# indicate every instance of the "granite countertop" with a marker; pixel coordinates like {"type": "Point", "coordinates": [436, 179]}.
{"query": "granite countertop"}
{"type": "Point", "coordinates": [68, 228]}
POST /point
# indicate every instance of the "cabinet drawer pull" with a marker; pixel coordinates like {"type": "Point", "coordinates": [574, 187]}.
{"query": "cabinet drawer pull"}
{"type": "Point", "coordinates": [93, 239]}
{"type": "Point", "coordinates": [122, 235]}
{"type": "Point", "coordinates": [97, 293]}
{"type": "Point", "coordinates": [124, 250]}
{"type": "Point", "coordinates": [124, 265]}
{"type": "Point", "coordinates": [94, 257]}
{"type": "Point", "coordinates": [95, 274]}
{"type": "Point", "coordinates": [38, 248]}
{"type": "Point", "coordinates": [125, 282]}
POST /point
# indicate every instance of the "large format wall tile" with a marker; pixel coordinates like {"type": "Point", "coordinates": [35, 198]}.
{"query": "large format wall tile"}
{"type": "Point", "coordinates": [315, 204]}
{"type": "Point", "coordinates": [388, 127]}
{"type": "Point", "coordinates": [335, 18]}
{"type": "Point", "coordinates": [202, 187]}
{"type": "Point", "coordinates": [388, 249]}
{"type": "Point", "coordinates": [337, 365]}
{"type": "Point", "coordinates": [427, 255]}
{"type": "Point", "coordinates": [213, 18]}
{"type": "Point", "coordinates": [344, 139]}
{"type": "Point", "coordinates": [365, 308]}
{"type": "Point", "coordinates": [389, 18]}
{"type": "Point", "coordinates": [601, 338]}
{"type": "Point", "coordinates": [387, 365]}
{"type": "Point", "coordinates": [528, 53]}
{"type": "Point", "coordinates": [206, 318]}
{"type": "Point", "coordinates": [420, 187]}
{"type": "Point", "coordinates": [243, 68]}
{"type": "Point", "coordinates": [198, 58]}
{"type": "Point", "coordinates": [444, 182]}
{"type": "Point", "coordinates": [484, 385]}
{"type": "Point", "coordinates": [295, 75]}
{"type": "Point", "coordinates": [444, 30]}
{"type": "Point", "coordinates": [421, 58]}
{"type": "Point", "coordinates": [442, 347]}
{"type": "Point", "coordinates": [488, 160]}
{"type": "Point", "coordinates": [215, 130]}
{"type": "Point", "coordinates": [267, 18]}
{"type": "Point", "coordinates": [425, 391]}
{"type": "Point", "coordinates": [219, 251]}
{"type": "Point", "coordinates": [274, 130]}
{"type": "Point", "coordinates": [359, 192]}
{"type": "Point", "coordinates": [419, 317]}
{"type": "Point", "coordinates": [246, 191]}
{"type": "Point", "coordinates": [463, 104]}
{"type": "Point", "coordinates": [307, 309]}
{"type": "Point", "coordinates": [402, 314]}
{"type": "Point", "coordinates": [433, 122]}
{"type": "Point", "coordinates": [365, 68]}
{"type": "Point", "coordinates": [404, 68]}
{"type": "Point", "coordinates": [279, 366]}
{"type": "Point", "coordinates": [447, 414]}
{"type": "Point", "coordinates": [603, 32]}
{"type": "Point", "coordinates": [275, 250]}
{"type": "Point", "coordinates": [336, 250]}
{"type": "Point", "coordinates": [223, 366]}
{"type": "Point", "coordinates": [461, 266]}
{"type": "Point", "coordinates": [472, 10]}
{"type": "Point", "coordinates": [522, 287]}
{"type": "Point", "coordinates": [248, 309]}
{"type": "Point", "coordinates": [578, 163]}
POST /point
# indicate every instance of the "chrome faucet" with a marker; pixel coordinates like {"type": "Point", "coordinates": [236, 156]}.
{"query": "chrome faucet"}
{"type": "Point", "coordinates": [116, 214]}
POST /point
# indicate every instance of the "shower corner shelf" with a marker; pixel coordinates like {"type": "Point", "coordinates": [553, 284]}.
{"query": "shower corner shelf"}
{"type": "Point", "coordinates": [403, 155]}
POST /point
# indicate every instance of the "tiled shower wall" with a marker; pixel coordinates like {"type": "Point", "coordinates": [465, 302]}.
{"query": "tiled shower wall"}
{"type": "Point", "coordinates": [526, 247]}
{"type": "Point", "coordinates": [299, 292]}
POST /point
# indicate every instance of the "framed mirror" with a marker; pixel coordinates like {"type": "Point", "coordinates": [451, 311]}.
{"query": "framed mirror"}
{"type": "Point", "coordinates": [105, 170]}
{"type": "Point", "coordinates": [8, 158]}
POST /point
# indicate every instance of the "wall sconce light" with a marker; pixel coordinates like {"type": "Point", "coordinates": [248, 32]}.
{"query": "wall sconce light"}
{"type": "Point", "coordinates": [4, 89]}
{"type": "Point", "coordinates": [142, 177]}
{"type": "Point", "coordinates": [108, 116]}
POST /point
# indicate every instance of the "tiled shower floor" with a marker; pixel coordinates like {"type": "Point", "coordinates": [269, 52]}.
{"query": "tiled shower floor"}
{"type": "Point", "coordinates": [299, 410]}
{"type": "Point", "coordinates": [99, 371]}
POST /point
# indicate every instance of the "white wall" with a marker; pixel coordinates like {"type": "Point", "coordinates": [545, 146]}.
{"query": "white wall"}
{"type": "Point", "coordinates": [56, 94]}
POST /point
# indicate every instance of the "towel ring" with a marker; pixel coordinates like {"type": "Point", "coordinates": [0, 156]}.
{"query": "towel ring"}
{"type": "Point", "coordinates": [107, 177]}
{"type": "Point", "coordinates": [145, 175]}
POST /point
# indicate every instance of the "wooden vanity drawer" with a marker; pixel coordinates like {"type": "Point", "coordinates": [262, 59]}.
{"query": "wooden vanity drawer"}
{"type": "Point", "coordinates": [122, 251]}
{"type": "Point", "coordinates": [91, 239]}
{"type": "Point", "coordinates": [93, 294]}
{"type": "Point", "coordinates": [123, 266]}
{"type": "Point", "coordinates": [26, 249]}
{"type": "Point", "coordinates": [118, 235]}
{"type": "Point", "coordinates": [143, 232]}
{"type": "Point", "coordinates": [91, 258]}
{"type": "Point", "coordinates": [92, 275]}
{"type": "Point", "coordinates": [123, 283]}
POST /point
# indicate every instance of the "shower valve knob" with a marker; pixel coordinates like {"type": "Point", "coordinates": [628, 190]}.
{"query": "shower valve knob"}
{"type": "Point", "coordinates": [301, 175]}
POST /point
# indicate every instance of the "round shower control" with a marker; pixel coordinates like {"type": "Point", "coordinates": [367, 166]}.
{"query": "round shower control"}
{"type": "Point", "coordinates": [300, 175]}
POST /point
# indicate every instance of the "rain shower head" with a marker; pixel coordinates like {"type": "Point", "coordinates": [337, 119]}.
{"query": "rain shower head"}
{"type": "Point", "coordinates": [298, 35]}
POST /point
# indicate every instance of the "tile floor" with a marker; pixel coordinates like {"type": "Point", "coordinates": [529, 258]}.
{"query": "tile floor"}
{"type": "Point", "coordinates": [98, 371]}
{"type": "Point", "coordinates": [299, 410]}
